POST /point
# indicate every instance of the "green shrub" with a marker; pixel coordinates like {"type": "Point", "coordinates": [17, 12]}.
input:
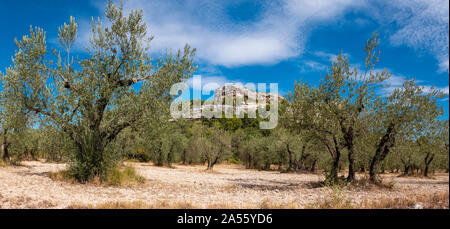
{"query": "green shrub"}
{"type": "Point", "coordinates": [234, 161]}
{"type": "Point", "coordinates": [124, 177]}
{"type": "Point", "coordinates": [142, 156]}
{"type": "Point", "coordinates": [64, 175]}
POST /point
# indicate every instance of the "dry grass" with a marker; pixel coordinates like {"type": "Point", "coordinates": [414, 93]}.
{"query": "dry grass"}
{"type": "Point", "coordinates": [269, 204]}
{"type": "Point", "coordinates": [13, 162]}
{"type": "Point", "coordinates": [363, 182]}
{"type": "Point", "coordinates": [121, 177]}
{"type": "Point", "coordinates": [160, 204]}
{"type": "Point", "coordinates": [427, 201]}
{"type": "Point", "coordinates": [33, 185]}
{"type": "Point", "coordinates": [26, 202]}
{"type": "Point", "coordinates": [165, 204]}
{"type": "Point", "coordinates": [124, 177]}
{"type": "Point", "coordinates": [63, 175]}
{"type": "Point", "coordinates": [337, 199]}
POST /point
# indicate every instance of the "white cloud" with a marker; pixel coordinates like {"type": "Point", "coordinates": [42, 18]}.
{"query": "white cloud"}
{"type": "Point", "coordinates": [422, 25]}
{"type": "Point", "coordinates": [314, 10]}
{"type": "Point", "coordinates": [218, 40]}
{"type": "Point", "coordinates": [278, 32]}
{"type": "Point", "coordinates": [443, 64]}
{"type": "Point", "coordinates": [211, 83]}
{"type": "Point", "coordinates": [396, 81]}
{"type": "Point", "coordinates": [428, 89]}
{"type": "Point", "coordinates": [280, 29]}
{"type": "Point", "coordinates": [323, 62]}
{"type": "Point", "coordinates": [312, 66]}
{"type": "Point", "coordinates": [326, 56]}
{"type": "Point", "coordinates": [84, 31]}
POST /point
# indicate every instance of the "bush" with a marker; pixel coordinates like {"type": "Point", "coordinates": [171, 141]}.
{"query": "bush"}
{"type": "Point", "coordinates": [142, 156]}
{"type": "Point", "coordinates": [234, 161]}
{"type": "Point", "coordinates": [124, 177]}
{"type": "Point", "coordinates": [65, 175]}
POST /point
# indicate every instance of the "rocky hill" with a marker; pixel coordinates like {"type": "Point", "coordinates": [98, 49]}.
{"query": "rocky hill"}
{"type": "Point", "coordinates": [241, 102]}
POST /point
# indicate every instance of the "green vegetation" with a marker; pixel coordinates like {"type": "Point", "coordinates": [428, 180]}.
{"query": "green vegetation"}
{"type": "Point", "coordinates": [89, 113]}
{"type": "Point", "coordinates": [91, 101]}
{"type": "Point", "coordinates": [119, 176]}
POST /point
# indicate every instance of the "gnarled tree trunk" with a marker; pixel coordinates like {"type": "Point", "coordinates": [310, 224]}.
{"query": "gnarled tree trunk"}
{"type": "Point", "coordinates": [383, 149]}
{"type": "Point", "coordinates": [428, 159]}
{"type": "Point", "coordinates": [348, 137]}
{"type": "Point", "coordinates": [5, 145]}
{"type": "Point", "coordinates": [313, 166]}
{"type": "Point", "coordinates": [335, 152]}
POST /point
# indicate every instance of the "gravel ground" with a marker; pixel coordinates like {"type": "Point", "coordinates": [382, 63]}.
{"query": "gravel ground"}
{"type": "Point", "coordinates": [229, 186]}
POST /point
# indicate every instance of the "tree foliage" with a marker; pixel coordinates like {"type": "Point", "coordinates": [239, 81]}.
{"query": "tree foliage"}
{"type": "Point", "coordinates": [92, 100]}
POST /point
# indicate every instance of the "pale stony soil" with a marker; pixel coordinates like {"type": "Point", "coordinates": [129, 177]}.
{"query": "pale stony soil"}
{"type": "Point", "coordinates": [229, 186]}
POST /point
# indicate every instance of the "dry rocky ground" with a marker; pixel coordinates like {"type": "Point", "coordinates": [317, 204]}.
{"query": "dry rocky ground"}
{"type": "Point", "coordinates": [229, 186]}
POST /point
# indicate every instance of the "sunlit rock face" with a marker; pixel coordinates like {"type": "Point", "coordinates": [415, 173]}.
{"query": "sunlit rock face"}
{"type": "Point", "coordinates": [241, 100]}
{"type": "Point", "coordinates": [240, 92]}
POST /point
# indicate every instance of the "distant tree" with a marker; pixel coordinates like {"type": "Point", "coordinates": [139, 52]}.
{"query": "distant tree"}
{"type": "Point", "coordinates": [442, 159]}
{"type": "Point", "coordinates": [406, 151]}
{"type": "Point", "coordinates": [14, 119]}
{"type": "Point", "coordinates": [294, 148]}
{"type": "Point", "coordinates": [54, 146]}
{"type": "Point", "coordinates": [219, 146]}
{"type": "Point", "coordinates": [308, 112]}
{"type": "Point", "coordinates": [199, 145]}
{"type": "Point", "coordinates": [430, 142]}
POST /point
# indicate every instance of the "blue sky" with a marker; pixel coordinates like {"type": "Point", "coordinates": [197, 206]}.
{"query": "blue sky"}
{"type": "Point", "coordinates": [266, 41]}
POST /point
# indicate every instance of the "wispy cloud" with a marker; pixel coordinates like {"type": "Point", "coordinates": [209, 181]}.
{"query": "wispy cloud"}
{"type": "Point", "coordinates": [326, 56]}
{"type": "Point", "coordinates": [396, 81]}
{"type": "Point", "coordinates": [312, 66]}
{"type": "Point", "coordinates": [211, 83]}
{"type": "Point", "coordinates": [428, 89]}
{"type": "Point", "coordinates": [422, 25]}
{"type": "Point", "coordinates": [319, 62]}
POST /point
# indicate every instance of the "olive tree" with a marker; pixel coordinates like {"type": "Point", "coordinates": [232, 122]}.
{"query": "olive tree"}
{"type": "Point", "coordinates": [347, 94]}
{"type": "Point", "coordinates": [430, 143]}
{"type": "Point", "coordinates": [309, 113]}
{"type": "Point", "coordinates": [93, 99]}
{"type": "Point", "coordinates": [219, 146]}
{"type": "Point", "coordinates": [403, 114]}
{"type": "Point", "coordinates": [14, 119]}
{"type": "Point", "coordinates": [293, 147]}
{"type": "Point", "coordinates": [442, 159]}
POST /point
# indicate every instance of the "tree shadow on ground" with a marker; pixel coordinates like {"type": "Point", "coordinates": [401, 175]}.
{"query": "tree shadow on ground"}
{"type": "Point", "coordinates": [270, 185]}
{"type": "Point", "coordinates": [421, 182]}
{"type": "Point", "coordinates": [42, 174]}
